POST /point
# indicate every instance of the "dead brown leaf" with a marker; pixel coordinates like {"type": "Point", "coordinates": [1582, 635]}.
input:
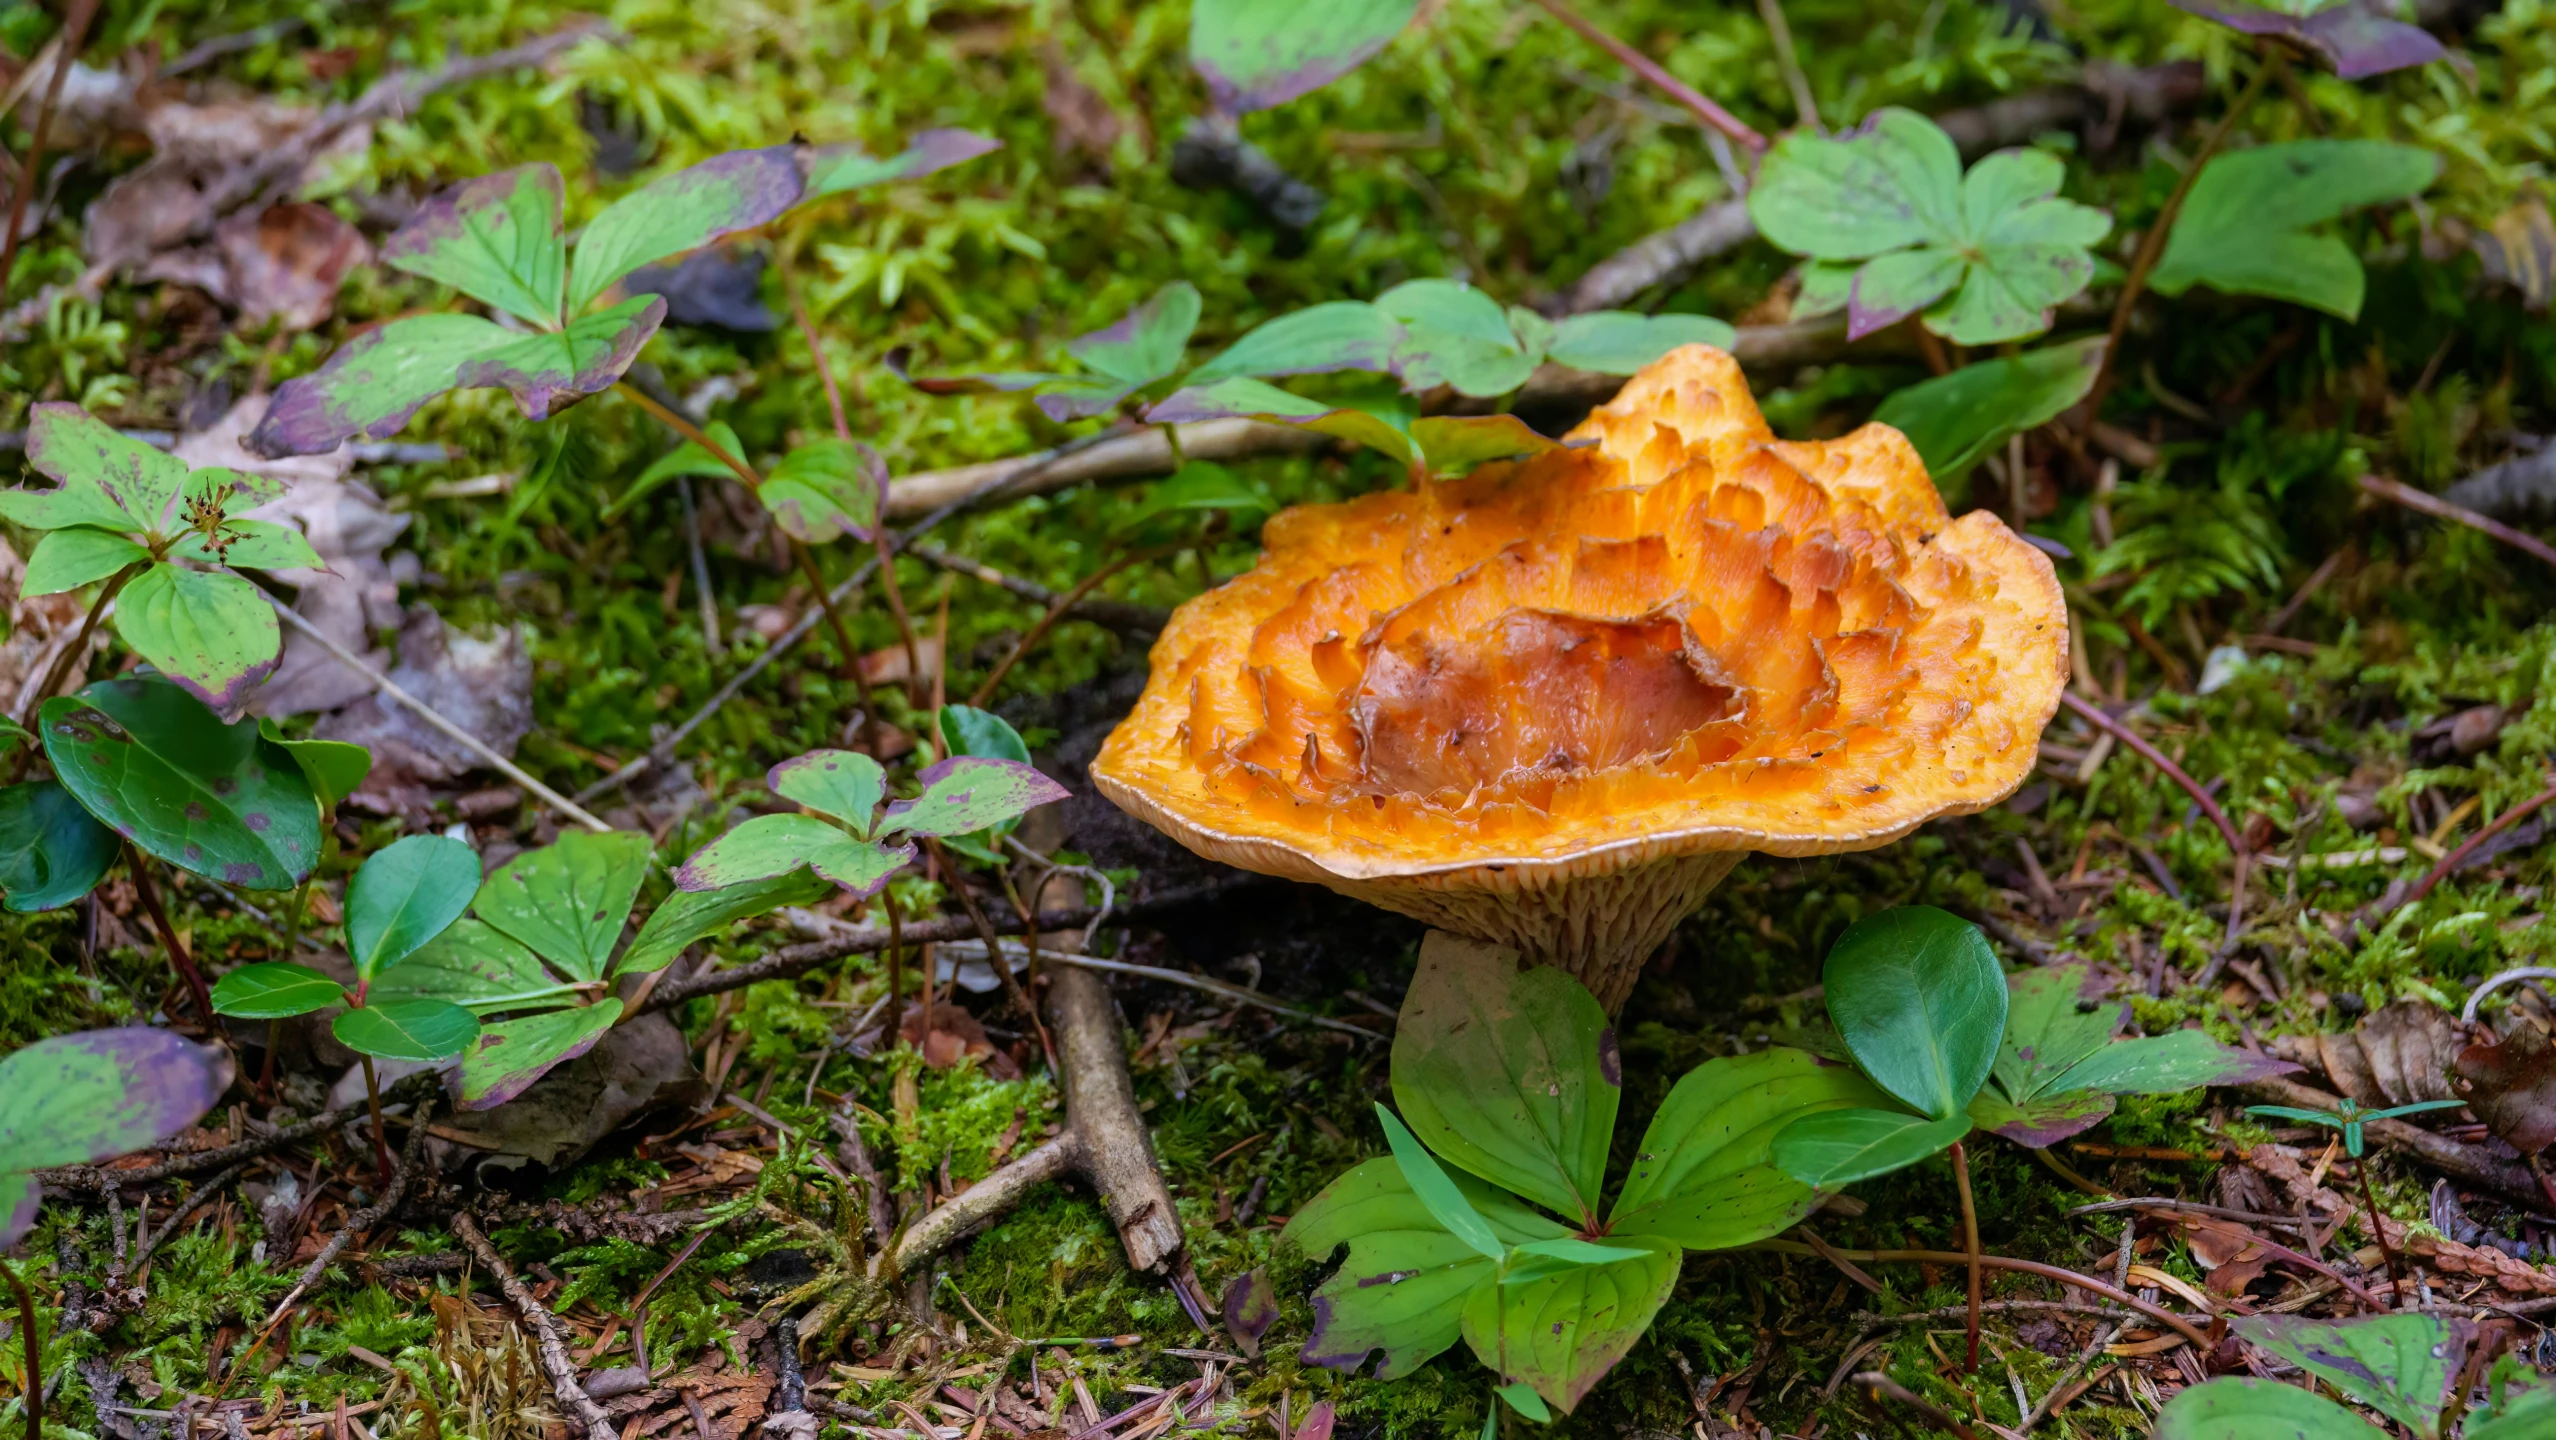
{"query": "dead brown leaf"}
{"type": "Point", "coordinates": [2397, 1055]}
{"type": "Point", "coordinates": [2511, 1084]}
{"type": "Point", "coordinates": [284, 264]}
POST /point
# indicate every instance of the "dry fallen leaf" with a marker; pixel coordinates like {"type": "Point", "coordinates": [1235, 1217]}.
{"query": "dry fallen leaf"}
{"type": "Point", "coordinates": [283, 264]}
{"type": "Point", "coordinates": [481, 683]}
{"type": "Point", "coordinates": [2511, 1084]}
{"type": "Point", "coordinates": [2397, 1055]}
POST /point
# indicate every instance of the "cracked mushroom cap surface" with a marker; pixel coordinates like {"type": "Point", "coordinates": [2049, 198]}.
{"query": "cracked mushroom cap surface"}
{"type": "Point", "coordinates": [1550, 704]}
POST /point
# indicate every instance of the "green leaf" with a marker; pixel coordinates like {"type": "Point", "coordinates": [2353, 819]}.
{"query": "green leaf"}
{"type": "Point", "coordinates": [509, 1055]}
{"type": "Point", "coordinates": [2519, 1404]}
{"type": "Point", "coordinates": [334, 768]}
{"type": "Point", "coordinates": [1917, 996]}
{"type": "Point", "coordinates": [212, 632]}
{"type": "Point", "coordinates": [69, 559]}
{"type": "Point", "coordinates": [688, 915]}
{"type": "Point", "coordinates": [1620, 342]}
{"type": "Point", "coordinates": [548, 373]}
{"type": "Point", "coordinates": [1454, 444]}
{"type": "Point", "coordinates": [52, 852]}
{"type": "Point", "coordinates": [2244, 226]}
{"type": "Point", "coordinates": [1522, 1398]}
{"type": "Point", "coordinates": [1987, 256]}
{"type": "Point", "coordinates": [862, 867]}
{"type": "Point", "coordinates": [80, 1098]}
{"type": "Point", "coordinates": [1453, 334]}
{"type": "Point", "coordinates": [495, 239]}
{"type": "Point", "coordinates": [2399, 1365]}
{"type": "Point", "coordinates": [1259, 400]}
{"type": "Point", "coordinates": [404, 895]}
{"type": "Point", "coordinates": [163, 771]}
{"type": "Point", "coordinates": [252, 545]}
{"type": "Point", "coordinates": [1828, 286]}
{"type": "Point", "coordinates": [1257, 53]}
{"type": "Point", "coordinates": [375, 382]}
{"type": "Point", "coordinates": [1144, 345]}
{"type": "Point", "coordinates": [842, 784]}
{"type": "Point", "coordinates": [1336, 335]}
{"type": "Point", "coordinates": [2042, 1121]}
{"type": "Point", "coordinates": [2249, 1409]}
{"type": "Point", "coordinates": [1199, 487]}
{"type": "Point", "coordinates": [568, 901]}
{"type": "Point", "coordinates": [2047, 1031]}
{"type": "Point", "coordinates": [1447, 1205]}
{"type": "Point", "coordinates": [729, 192]}
{"type": "Point", "coordinates": [1513, 1077]}
{"type": "Point", "coordinates": [966, 793]}
{"type": "Point", "coordinates": [825, 489]}
{"type": "Point", "coordinates": [1705, 1173]}
{"type": "Point", "coordinates": [1562, 1333]}
{"type": "Point", "coordinates": [833, 169]}
{"type": "Point", "coordinates": [478, 967]}
{"type": "Point", "coordinates": [274, 990]}
{"type": "Point", "coordinates": [966, 730]}
{"type": "Point", "coordinates": [1840, 1147]}
{"type": "Point", "coordinates": [1403, 1286]}
{"type": "Point", "coordinates": [109, 481]}
{"type": "Point", "coordinates": [758, 849]}
{"type": "Point", "coordinates": [685, 459]}
{"type": "Point", "coordinates": [413, 1030]}
{"type": "Point", "coordinates": [2168, 1064]}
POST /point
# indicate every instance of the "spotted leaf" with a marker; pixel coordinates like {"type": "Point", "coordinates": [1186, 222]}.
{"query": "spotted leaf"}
{"type": "Point", "coordinates": [163, 771]}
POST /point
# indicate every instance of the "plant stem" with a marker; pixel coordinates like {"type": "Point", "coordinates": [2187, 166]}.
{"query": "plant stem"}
{"type": "Point", "coordinates": [35, 1351]}
{"type": "Point", "coordinates": [896, 966]}
{"type": "Point", "coordinates": [1650, 70]}
{"type": "Point", "coordinates": [2152, 245]}
{"type": "Point", "coordinates": [878, 528]}
{"type": "Point", "coordinates": [75, 30]}
{"type": "Point", "coordinates": [1970, 1246]}
{"type": "Point", "coordinates": [373, 1102]}
{"type": "Point", "coordinates": [178, 957]}
{"type": "Point", "coordinates": [79, 647]}
{"type": "Point", "coordinates": [2378, 1232]}
{"type": "Point", "coordinates": [1056, 612]}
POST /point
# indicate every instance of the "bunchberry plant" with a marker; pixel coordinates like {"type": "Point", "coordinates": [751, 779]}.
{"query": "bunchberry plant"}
{"type": "Point", "coordinates": [845, 837]}
{"type": "Point", "coordinates": [165, 539]}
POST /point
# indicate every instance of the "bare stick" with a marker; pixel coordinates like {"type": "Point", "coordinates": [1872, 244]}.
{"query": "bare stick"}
{"type": "Point", "coordinates": [373, 1101]}
{"type": "Point", "coordinates": [703, 599]}
{"type": "Point", "coordinates": [410, 1155]}
{"type": "Point", "coordinates": [1100, 1105]}
{"type": "Point", "coordinates": [2088, 1283]}
{"type": "Point", "coordinates": [2154, 756]}
{"type": "Point", "coordinates": [2103, 1337]}
{"type": "Point", "coordinates": [555, 1359]}
{"type": "Point", "coordinates": [994, 947]}
{"type": "Point", "coordinates": [74, 32]}
{"type": "Point", "coordinates": [2438, 508]}
{"type": "Point", "coordinates": [447, 728]}
{"type": "Point", "coordinates": [1970, 1244]}
{"type": "Point", "coordinates": [90, 1179]}
{"type": "Point", "coordinates": [1651, 70]}
{"type": "Point", "coordinates": [983, 1203]}
{"type": "Point", "coordinates": [1805, 105]}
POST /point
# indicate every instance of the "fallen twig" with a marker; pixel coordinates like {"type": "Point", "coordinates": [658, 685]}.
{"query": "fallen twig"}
{"type": "Point", "coordinates": [75, 30]}
{"type": "Point", "coordinates": [2103, 1338]}
{"type": "Point", "coordinates": [2513, 976]}
{"type": "Point", "coordinates": [95, 1180]}
{"type": "Point", "coordinates": [2059, 1273]}
{"type": "Point", "coordinates": [2458, 857]}
{"type": "Point", "coordinates": [447, 728]}
{"type": "Point", "coordinates": [2094, 716]}
{"type": "Point", "coordinates": [1687, 97]}
{"type": "Point", "coordinates": [1878, 1387]}
{"type": "Point", "coordinates": [362, 1220]}
{"type": "Point", "coordinates": [2440, 509]}
{"type": "Point", "coordinates": [556, 1362]}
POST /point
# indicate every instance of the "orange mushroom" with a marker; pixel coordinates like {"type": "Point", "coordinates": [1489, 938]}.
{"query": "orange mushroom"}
{"type": "Point", "coordinates": [1551, 704]}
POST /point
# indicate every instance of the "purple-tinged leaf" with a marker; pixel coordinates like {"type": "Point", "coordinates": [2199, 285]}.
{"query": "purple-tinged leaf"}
{"type": "Point", "coordinates": [824, 490]}
{"type": "Point", "coordinates": [570, 900]}
{"type": "Point", "coordinates": [20, 1197]}
{"type": "Point", "coordinates": [1318, 1422]}
{"type": "Point", "coordinates": [510, 1055]}
{"type": "Point", "coordinates": [253, 545]}
{"type": "Point", "coordinates": [548, 373]}
{"type": "Point", "coordinates": [1454, 444]}
{"type": "Point", "coordinates": [1076, 397]}
{"type": "Point", "coordinates": [109, 480]}
{"type": "Point", "coordinates": [833, 169]}
{"type": "Point", "coordinates": [1257, 53]}
{"type": "Point", "coordinates": [1890, 288]}
{"type": "Point", "coordinates": [1241, 396]}
{"type": "Point", "coordinates": [689, 915]}
{"type": "Point", "coordinates": [163, 771]}
{"type": "Point", "coordinates": [861, 867]}
{"type": "Point", "coordinates": [81, 1098]}
{"type": "Point", "coordinates": [1250, 1308]}
{"type": "Point", "coordinates": [842, 784]}
{"type": "Point", "coordinates": [1890, 183]}
{"type": "Point", "coordinates": [2355, 39]}
{"type": "Point", "coordinates": [374, 383]}
{"type": "Point", "coordinates": [496, 239]}
{"type": "Point", "coordinates": [2043, 1120]}
{"type": "Point", "coordinates": [967, 792]}
{"type": "Point", "coordinates": [2398, 1364]}
{"type": "Point", "coordinates": [208, 630]}
{"type": "Point", "coordinates": [683, 211]}
{"type": "Point", "coordinates": [2055, 1017]}
{"type": "Point", "coordinates": [1146, 343]}
{"type": "Point", "coordinates": [1337, 335]}
{"type": "Point", "coordinates": [759, 849]}
{"type": "Point", "coordinates": [990, 382]}
{"type": "Point", "coordinates": [478, 967]}
{"type": "Point", "coordinates": [1560, 1334]}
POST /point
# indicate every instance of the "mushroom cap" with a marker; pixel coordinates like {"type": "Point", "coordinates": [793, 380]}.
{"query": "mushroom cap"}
{"type": "Point", "coordinates": [1676, 640]}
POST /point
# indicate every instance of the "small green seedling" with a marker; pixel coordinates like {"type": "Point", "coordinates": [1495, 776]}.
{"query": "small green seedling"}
{"type": "Point", "coordinates": [2357, 40]}
{"type": "Point", "coordinates": [2059, 1068]}
{"type": "Point", "coordinates": [537, 955]}
{"type": "Point", "coordinates": [499, 240]}
{"type": "Point", "coordinates": [818, 492]}
{"type": "Point", "coordinates": [1487, 1222]}
{"type": "Point", "coordinates": [2408, 1367]}
{"type": "Point", "coordinates": [76, 1100]}
{"type": "Point", "coordinates": [1893, 228]}
{"type": "Point", "coordinates": [844, 836]}
{"type": "Point", "coordinates": [165, 539]}
{"type": "Point", "coordinates": [2348, 1117]}
{"type": "Point", "coordinates": [402, 897]}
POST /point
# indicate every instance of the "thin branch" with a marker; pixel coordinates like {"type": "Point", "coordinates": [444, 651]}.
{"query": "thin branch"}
{"type": "Point", "coordinates": [2154, 756]}
{"type": "Point", "coordinates": [2440, 509]}
{"type": "Point", "coordinates": [362, 1220]}
{"type": "Point", "coordinates": [2454, 859]}
{"type": "Point", "coordinates": [1057, 611]}
{"type": "Point", "coordinates": [74, 33]}
{"type": "Point", "coordinates": [2087, 1283]}
{"type": "Point", "coordinates": [555, 1359]}
{"type": "Point", "coordinates": [447, 728]}
{"type": "Point", "coordinates": [1805, 105]}
{"type": "Point", "coordinates": [1651, 70]}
